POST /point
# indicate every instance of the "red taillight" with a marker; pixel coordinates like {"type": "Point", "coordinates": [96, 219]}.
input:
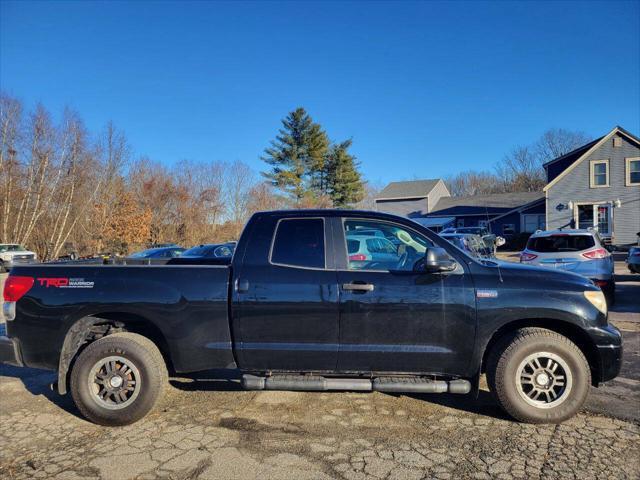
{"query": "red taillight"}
{"type": "Point", "coordinates": [16, 287]}
{"type": "Point", "coordinates": [600, 283]}
{"type": "Point", "coordinates": [595, 253]}
{"type": "Point", "coordinates": [527, 257]}
{"type": "Point", "coordinates": [636, 253]}
{"type": "Point", "coordinates": [358, 257]}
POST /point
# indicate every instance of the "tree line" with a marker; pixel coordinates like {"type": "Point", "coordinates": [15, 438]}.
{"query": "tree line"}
{"type": "Point", "coordinates": [64, 189]}
{"type": "Point", "coordinates": [521, 169]}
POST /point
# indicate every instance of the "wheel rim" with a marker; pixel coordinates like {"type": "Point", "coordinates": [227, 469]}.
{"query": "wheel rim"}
{"type": "Point", "coordinates": [115, 382]}
{"type": "Point", "coordinates": [544, 380]}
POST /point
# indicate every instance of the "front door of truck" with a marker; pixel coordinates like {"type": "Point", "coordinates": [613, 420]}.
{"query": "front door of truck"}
{"type": "Point", "coordinates": [285, 299]}
{"type": "Point", "coordinates": [394, 319]}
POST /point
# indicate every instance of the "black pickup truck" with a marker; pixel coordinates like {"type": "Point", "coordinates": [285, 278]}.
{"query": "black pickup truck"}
{"type": "Point", "coordinates": [316, 300]}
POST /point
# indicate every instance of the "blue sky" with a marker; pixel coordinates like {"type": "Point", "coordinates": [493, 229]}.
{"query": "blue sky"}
{"type": "Point", "coordinates": [424, 89]}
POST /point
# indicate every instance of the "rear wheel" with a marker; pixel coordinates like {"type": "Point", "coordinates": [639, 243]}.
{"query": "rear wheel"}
{"type": "Point", "coordinates": [118, 379]}
{"type": "Point", "coordinates": [538, 376]}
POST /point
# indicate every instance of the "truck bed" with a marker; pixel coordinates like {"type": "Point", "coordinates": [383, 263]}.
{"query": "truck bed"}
{"type": "Point", "coordinates": [188, 304]}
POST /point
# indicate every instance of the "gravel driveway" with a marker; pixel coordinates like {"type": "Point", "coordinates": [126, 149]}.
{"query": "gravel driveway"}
{"type": "Point", "coordinates": [210, 429]}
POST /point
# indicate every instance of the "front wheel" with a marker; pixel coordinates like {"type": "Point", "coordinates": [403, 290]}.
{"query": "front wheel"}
{"type": "Point", "coordinates": [118, 379]}
{"type": "Point", "coordinates": [538, 376]}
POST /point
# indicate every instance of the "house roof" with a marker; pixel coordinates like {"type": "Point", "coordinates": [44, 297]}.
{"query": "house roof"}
{"type": "Point", "coordinates": [586, 150]}
{"type": "Point", "coordinates": [573, 154]}
{"type": "Point", "coordinates": [409, 189]}
{"type": "Point", "coordinates": [498, 200]}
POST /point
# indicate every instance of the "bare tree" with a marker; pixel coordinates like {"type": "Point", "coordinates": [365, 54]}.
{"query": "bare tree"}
{"type": "Point", "coordinates": [556, 142]}
{"type": "Point", "coordinates": [473, 182]}
{"type": "Point", "coordinates": [239, 180]}
{"type": "Point", "coordinates": [371, 191]}
{"type": "Point", "coordinates": [10, 136]}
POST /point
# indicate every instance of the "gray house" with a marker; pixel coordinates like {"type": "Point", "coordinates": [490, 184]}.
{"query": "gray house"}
{"type": "Point", "coordinates": [597, 186]}
{"type": "Point", "coordinates": [411, 199]}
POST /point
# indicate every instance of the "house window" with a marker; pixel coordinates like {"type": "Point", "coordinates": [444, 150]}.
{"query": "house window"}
{"type": "Point", "coordinates": [633, 171]}
{"type": "Point", "coordinates": [617, 141]}
{"type": "Point", "coordinates": [599, 173]}
{"type": "Point", "coordinates": [533, 222]}
{"type": "Point", "coordinates": [508, 229]}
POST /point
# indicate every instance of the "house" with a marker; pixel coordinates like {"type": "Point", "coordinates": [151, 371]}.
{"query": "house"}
{"type": "Point", "coordinates": [411, 199]}
{"type": "Point", "coordinates": [429, 203]}
{"type": "Point", "coordinates": [504, 214]}
{"type": "Point", "coordinates": [597, 186]}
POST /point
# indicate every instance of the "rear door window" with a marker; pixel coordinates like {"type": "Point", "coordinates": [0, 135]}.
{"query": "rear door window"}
{"type": "Point", "coordinates": [561, 243]}
{"type": "Point", "coordinates": [299, 243]}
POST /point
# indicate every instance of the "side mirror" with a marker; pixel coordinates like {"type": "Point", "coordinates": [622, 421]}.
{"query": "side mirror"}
{"type": "Point", "coordinates": [437, 259]}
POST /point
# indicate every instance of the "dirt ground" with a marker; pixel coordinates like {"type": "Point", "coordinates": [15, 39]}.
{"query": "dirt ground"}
{"type": "Point", "coordinates": [210, 429]}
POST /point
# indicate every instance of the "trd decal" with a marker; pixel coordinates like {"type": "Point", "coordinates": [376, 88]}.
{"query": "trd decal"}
{"type": "Point", "coordinates": [54, 282]}
{"type": "Point", "coordinates": [487, 294]}
{"type": "Point", "coordinates": [63, 282]}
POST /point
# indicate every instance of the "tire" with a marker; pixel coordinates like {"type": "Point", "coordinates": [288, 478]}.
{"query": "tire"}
{"type": "Point", "coordinates": [136, 359]}
{"type": "Point", "coordinates": [517, 353]}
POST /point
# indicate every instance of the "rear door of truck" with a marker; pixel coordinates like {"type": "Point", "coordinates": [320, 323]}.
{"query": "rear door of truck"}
{"type": "Point", "coordinates": [285, 295]}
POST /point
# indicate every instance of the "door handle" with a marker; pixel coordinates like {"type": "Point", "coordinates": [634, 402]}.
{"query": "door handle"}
{"type": "Point", "coordinates": [242, 286]}
{"type": "Point", "coordinates": [358, 287]}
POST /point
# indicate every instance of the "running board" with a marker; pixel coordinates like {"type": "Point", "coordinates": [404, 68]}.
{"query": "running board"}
{"type": "Point", "coordinates": [314, 383]}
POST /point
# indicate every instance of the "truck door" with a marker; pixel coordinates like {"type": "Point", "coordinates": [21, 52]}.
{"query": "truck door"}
{"type": "Point", "coordinates": [395, 319]}
{"type": "Point", "coordinates": [285, 299]}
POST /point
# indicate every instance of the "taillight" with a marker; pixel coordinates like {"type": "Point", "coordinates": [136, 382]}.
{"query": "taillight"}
{"type": "Point", "coordinates": [16, 287]}
{"type": "Point", "coordinates": [635, 253]}
{"type": "Point", "coordinates": [358, 257]}
{"type": "Point", "coordinates": [527, 257]}
{"type": "Point", "coordinates": [595, 253]}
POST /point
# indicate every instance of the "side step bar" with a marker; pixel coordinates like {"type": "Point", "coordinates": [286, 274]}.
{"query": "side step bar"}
{"type": "Point", "coordinates": [314, 383]}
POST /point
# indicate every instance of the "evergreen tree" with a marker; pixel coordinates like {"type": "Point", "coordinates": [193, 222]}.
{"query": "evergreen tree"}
{"type": "Point", "coordinates": [343, 180]}
{"type": "Point", "coordinates": [297, 156]}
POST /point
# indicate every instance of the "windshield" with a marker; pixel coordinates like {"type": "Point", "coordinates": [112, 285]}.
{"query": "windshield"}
{"type": "Point", "coordinates": [199, 251]}
{"type": "Point", "coordinates": [561, 243]}
{"type": "Point", "coordinates": [12, 248]}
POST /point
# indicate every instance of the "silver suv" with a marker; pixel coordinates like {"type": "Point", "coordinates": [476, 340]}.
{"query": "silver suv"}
{"type": "Point", "coordinates": [577, 251]}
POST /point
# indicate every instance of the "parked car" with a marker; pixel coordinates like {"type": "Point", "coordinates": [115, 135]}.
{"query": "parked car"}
{"type": "Point", "coordinates": [364, 249]}
{"type": "Point", "coordinates": [577, 251]}
{"type": "Point", "coordinates": [292, 313]}
{"type": "Point", "coordinates": [157, 255]}
{"type": "Point", "coordinates": [633, 260]}
{"type": "Point", "coordinates": [12, 254]}
{"type": "Point", "coordinates": [210, 250]}
{"type": "Point", "coordinates": [491, 240]}
{"type": "Point", "coordinates": [473, 244]}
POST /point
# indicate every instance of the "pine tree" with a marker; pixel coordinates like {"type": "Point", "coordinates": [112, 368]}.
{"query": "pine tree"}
{"type": "Point", "coordinates": [344, 182]}
{"type": "Point", "coordinates": [297, 156]}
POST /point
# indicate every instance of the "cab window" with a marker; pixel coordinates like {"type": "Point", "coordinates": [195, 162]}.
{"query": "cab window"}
{"type": "Point", "coordinates": [299, 243]}
{"type": "Point", "coordinates": [382, 245]}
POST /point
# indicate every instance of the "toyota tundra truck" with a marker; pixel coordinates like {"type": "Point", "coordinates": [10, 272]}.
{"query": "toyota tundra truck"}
{"type": "Point", "coordinates": [296, 309]}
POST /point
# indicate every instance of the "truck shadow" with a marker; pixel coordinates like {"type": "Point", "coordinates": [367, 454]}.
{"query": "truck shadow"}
{"type": "Point", "coordinates": [38, 383]}
{"type": "Point", "coordinates": [485, 405]}
{"type": "Point", "coordinates": [210, 380]}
